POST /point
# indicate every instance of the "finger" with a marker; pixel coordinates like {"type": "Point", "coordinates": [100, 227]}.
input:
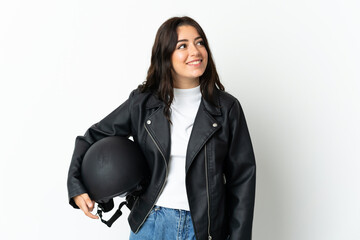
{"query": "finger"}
{"type": "Point", "coordinates": [88, 201]}
{"type": "Point", "coordinates": [90, 215]}
{"type": "Point", "coordinates": [93, 205]}
{"type": "Point", "coordinates": [83, 206]}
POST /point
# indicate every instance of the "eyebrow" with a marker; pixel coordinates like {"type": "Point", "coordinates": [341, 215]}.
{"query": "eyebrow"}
{"type": "Point", "coordinates": [186, 40]}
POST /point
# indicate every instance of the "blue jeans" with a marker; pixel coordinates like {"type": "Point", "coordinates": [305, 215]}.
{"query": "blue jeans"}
{"type": "Point", "coordinates": [166, 224]}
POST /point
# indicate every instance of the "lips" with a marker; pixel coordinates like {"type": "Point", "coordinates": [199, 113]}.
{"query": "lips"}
{"type": "Point", "coordinates": [194, 62]}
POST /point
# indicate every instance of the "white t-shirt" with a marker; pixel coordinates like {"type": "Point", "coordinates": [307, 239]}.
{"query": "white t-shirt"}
{"type": "Point", "coordinates": [183, 111]}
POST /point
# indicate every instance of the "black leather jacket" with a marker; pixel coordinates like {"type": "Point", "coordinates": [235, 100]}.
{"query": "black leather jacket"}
{"type": "Point", "coordinates": [220, 163]}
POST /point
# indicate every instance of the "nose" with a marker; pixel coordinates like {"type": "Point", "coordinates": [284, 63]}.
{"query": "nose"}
{"type": "Point", "coordinates": [194, 51]}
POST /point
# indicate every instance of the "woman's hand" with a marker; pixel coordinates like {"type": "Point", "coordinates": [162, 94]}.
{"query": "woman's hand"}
{"type": "Point", "coordinates": [84, 202]}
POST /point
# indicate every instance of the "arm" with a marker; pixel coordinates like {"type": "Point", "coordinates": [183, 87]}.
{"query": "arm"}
{"type": "Point", "coordinates": [240, 174]}
{"type": "Point", "coordinates": [117, 123]}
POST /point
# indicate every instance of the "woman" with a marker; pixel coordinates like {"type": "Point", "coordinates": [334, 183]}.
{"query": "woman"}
{"type": "Point", "coordinates": [195, 139]}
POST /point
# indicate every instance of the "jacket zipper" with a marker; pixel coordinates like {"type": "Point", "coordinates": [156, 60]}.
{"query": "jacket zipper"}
{"type": "Point", "coordinates": [162, 187]}
{"type": "Point", "coordinates": [207, 194]}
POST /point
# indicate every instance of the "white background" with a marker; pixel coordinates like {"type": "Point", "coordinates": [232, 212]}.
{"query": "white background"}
{"type": "Point", "coordinates": [294, 66]}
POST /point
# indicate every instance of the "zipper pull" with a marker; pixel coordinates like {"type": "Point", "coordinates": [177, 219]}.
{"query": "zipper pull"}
{"type": "Point", "coordinates": [210, 238]}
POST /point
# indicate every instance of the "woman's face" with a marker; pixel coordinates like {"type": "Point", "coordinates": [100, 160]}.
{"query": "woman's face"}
{"type": "Point", "coordinates": [189, 58]}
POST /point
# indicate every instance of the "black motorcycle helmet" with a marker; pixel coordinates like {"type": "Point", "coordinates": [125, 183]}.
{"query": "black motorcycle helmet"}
{"type": "Point", "coordinates": [114, 166]}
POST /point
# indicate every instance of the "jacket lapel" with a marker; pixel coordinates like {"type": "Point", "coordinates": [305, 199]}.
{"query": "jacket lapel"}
{"type": "Point", "coordinates": [205, 125]}
{"type": "Point", "coordinates": [158, 126]}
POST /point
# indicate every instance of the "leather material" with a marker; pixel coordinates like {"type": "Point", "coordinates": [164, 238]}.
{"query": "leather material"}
{"type": "Point", "coordinates": [220, 163]}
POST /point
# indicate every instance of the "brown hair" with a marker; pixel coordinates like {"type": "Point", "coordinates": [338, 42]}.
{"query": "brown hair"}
{"type": "Point", "coordinates": [159, 79]}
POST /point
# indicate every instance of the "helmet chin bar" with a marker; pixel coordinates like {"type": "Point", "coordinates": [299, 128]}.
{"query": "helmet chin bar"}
{"type": "Point", "coordinates": [105, 207]}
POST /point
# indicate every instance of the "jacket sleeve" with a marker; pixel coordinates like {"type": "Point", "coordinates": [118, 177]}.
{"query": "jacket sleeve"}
{"type": "Point", "coordinates": [118, 123]}
{"type": "Point", "coordinates": [240, 175]}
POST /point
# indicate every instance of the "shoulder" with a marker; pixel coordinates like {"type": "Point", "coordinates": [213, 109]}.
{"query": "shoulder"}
{"type": "Point", "coordinates": [142, 99]}
{"type": "Point", "coordinates": [227, 100]}
{"type": "Point", "coordinates": [136, 94]}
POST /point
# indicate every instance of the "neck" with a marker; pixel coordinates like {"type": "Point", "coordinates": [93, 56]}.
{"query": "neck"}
{"type": "Point", "coordinates": [184, 84]}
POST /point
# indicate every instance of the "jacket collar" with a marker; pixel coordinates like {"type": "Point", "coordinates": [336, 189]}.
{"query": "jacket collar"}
{"type": "Point", "coordinates": [154, 102]}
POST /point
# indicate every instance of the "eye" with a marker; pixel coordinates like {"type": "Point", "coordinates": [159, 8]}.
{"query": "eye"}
{"type": "Point", "coordinates": [182, 46]}
{"type": "Point", "coordinates": [200, 43]}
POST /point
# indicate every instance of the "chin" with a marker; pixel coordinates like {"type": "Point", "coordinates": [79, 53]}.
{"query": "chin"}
{"type": "Point", "coordinates": [197, 74]}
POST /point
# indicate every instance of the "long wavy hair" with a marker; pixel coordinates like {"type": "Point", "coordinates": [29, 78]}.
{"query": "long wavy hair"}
{"type": "Point", "coordinates": [159, 80]}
